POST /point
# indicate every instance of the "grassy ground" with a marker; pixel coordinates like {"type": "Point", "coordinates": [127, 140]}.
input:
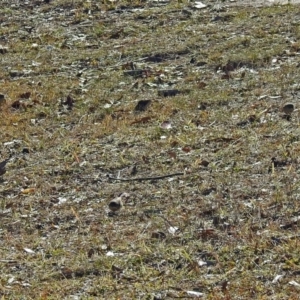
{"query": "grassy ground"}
{"type": "Point", "coordinates": [73, 73]}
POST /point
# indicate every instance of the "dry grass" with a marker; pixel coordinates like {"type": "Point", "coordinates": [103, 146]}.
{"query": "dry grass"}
{"type": "Point", "coordinates": [226, 228]}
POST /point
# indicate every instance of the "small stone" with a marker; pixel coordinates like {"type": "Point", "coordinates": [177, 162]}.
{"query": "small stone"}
{"type": "Point", "coordinates": [34, 46]}
{"type": "Point", "coordinates": [142, 105]}
{"type": "Point", "coordinates": [3, 50]}
{"type": "Point", "coordinates": [288, 108]}
{"type": "Point", "coordinates": [115, 204]}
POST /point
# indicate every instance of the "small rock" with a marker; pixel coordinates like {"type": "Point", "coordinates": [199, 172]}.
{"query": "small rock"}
{"type": "Point", "coordinates": [142, 105]}
{"type": "Point", "coordinates": [3, 50]}
{"type": "Point", "coordinates": [199, 5]}
{"type": "Point", "coordinates": [115, 204]}
{"type": "Point", "coordinates": [288, 108]}
{"type": "Point", "coordinates": [16, 73]}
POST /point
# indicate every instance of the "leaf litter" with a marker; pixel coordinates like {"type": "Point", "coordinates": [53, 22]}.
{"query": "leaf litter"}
{"type": "Point", "coordinates": [213, 210]}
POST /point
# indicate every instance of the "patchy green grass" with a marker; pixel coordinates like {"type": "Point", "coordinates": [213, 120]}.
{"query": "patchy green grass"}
{"type": "Point", "coordinates": [72, 73]}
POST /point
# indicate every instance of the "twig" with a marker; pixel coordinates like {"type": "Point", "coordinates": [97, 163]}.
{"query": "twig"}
{"type": "Point", "coordinates": [147, 178]}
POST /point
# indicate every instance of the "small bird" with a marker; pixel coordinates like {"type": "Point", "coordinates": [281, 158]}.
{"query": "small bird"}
{"type": "Point", "coordinates": [116, 204]}
{"type": "Point", "coordinates": [3, 166]}
{"type": "Point", "coordinates": [288, 108]}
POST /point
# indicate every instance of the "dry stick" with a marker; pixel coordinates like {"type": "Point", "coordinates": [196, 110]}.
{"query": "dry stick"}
{"type": "Point", "coordinates": [146, 178]}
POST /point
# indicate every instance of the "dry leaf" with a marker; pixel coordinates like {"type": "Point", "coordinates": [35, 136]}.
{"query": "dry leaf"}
{"type": "Point", "coordinates": [25, 95]}
{"type": "Point", "coordinates": [204, 163]}
{"type": "Point", "coordinates": [172, 154]}
{"type": "Point", "coordinates": [158, 235]}
{"type": "Point", "coordinates": [201, 85]}
{"type": "Point", "coordinates": [28, 191]}
{"type": "Point", "coordinates": [294, 283]}
{"type": "Point", "coordinates": [277, 278]}
{"type": "Point", "coordinates": [29, 250]}
{"type": "Point", "coordinates": [172, 230]}
{"type": "Point", "coordinates": [166, 125]}
{"type": "Point", "coordinates": [195, 294]}
{"type": "Point", "coordinates": [168, 93]}
{"type": "Point", "coordinates": [186, 149]}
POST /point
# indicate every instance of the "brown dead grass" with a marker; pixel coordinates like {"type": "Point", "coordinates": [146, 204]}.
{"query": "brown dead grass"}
{"type": "Point", "coordinates": [226, 228]}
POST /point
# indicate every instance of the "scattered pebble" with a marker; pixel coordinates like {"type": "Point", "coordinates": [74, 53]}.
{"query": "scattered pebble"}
{"type": "Point", "coordinates": [3, 50]}
{"type": "Point", "coordinates": [115, 204]}
{"type": "Point", "coordinates": [288, 108]}
{"type": "Point", "coordinates": [142, 105]}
